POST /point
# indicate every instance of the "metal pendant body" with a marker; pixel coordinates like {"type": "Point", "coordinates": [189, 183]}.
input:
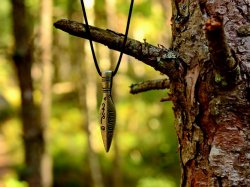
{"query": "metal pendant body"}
{"type": "Point", "coordinates": [107, 110]}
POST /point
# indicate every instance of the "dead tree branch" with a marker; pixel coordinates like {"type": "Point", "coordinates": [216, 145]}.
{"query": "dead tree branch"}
{"type": "Point", "coordinates": [149, 85]}
{"type": "Point", "coordinates": [164, 60]}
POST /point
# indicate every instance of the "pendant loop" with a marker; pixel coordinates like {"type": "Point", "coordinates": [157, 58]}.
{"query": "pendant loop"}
{"type": "Point", "coordinates": [107, 110]}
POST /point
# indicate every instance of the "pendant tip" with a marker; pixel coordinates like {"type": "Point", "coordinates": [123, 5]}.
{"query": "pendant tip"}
{"type": "Point", "coordinates": [107, 147]}
{"type": "Point", "coordinates": [107, 150]}
{"type": "Point", "coordinates": [107, 141]}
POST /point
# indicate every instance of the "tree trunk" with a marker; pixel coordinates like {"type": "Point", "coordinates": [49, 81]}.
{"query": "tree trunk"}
{"type": "Point", "coordinates": [117, 171]}
{"type": "Point", "coordinates": [45, 47]}
{"type": "Point", "coordinates": [208, 69]}
{"type": "Point", "coordinates": [213, 115]}
{"type": "Point", "coordinates": [30, 115]}
{"type": "Point", "coordinates": [87, 91]}
{"type": "Point", "coordinates": [87, 99]}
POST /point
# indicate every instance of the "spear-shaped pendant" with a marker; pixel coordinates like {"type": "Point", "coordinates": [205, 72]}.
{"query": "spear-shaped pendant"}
{"type": "Point", "coordinates": [107, 110]}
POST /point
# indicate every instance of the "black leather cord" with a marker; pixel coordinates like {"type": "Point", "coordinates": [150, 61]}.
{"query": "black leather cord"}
{"type": "Point", "coordinates": [91, 41]}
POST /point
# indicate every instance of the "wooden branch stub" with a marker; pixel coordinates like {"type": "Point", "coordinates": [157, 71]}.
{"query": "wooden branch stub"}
{"type": "Point", "coordinates": [149, 85]}
{"type": "Point", "coordinates": [220, 52]}
{"type": "Point", "coordinates": [164, 60]}
{"type": "Point", "coordinates": [221, 55]}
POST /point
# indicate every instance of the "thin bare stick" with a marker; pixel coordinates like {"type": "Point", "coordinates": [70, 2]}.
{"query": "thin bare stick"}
{"type": "Point", "coordinates": [149, 85]}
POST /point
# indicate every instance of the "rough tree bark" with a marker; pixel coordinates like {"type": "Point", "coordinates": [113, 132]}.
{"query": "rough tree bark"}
{"type": "Point", "coordinates": [213, 125]}
{"type": "Point", "coordinates": [208, 70]}
{"type": "Point", "coordinates": [30, 115]}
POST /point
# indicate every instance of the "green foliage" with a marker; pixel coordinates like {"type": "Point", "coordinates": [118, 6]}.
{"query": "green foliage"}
{"type": "Point", "coordinates": [143, 8]}
{"type": "Point", "coordinates": [5, 109]}
{"type": "Point", "coordinates": [156, 182]}
{"type": "Point", "coordinates": [70, 172]}
{"type": "Point", "coordinates": [5, 22]}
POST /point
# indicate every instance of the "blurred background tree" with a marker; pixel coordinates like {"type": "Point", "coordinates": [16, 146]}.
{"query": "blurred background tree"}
{"type": "Point", "coordinates": [22, 57]}
{"type": "Point", "coordinates": [144, 151]}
